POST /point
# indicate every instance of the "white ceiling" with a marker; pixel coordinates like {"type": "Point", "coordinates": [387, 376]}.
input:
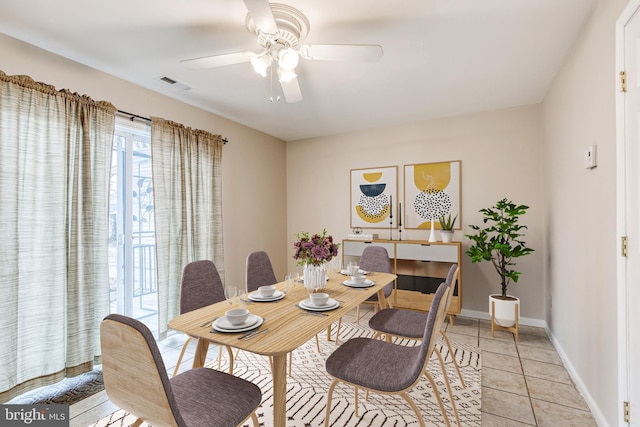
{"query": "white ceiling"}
{"type": "Point", "coordinates": [441, 57]}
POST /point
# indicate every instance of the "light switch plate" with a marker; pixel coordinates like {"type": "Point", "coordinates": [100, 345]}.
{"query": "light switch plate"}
{"type": "Point", "coordinates": [590, 157]}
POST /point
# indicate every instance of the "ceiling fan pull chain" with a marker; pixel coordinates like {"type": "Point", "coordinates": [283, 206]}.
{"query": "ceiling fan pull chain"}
{"type": "Point", "coordinates": [271, 86]}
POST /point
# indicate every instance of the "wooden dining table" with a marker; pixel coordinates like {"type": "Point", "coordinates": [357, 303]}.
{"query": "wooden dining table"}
{"type": "Point", "coordinates": [288, 327]}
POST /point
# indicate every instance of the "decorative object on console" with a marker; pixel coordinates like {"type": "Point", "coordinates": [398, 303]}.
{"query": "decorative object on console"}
{"type": "Point", "coordinates": [446, 226]}
{"type": "Point", "coordinates": [362, 236]}
{"type": "Point", "coordinates": [431, 190]}
{"type": "Point", "coordinates": [372, 194]}
{"type": "Point", "coordinates": [432, 234]}
{"type": "Point", "coordinates": [500, 241]}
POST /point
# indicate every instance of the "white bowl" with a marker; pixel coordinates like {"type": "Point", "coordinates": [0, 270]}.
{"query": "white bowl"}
{"type": "Point", "coordinates": [319, 299]}
{"type": "Point", "coordinates": [358, 279]}
{"type": "Point", "coordinates": [266, 291]}
{"type": "Point", "coordinates": [237, 316]}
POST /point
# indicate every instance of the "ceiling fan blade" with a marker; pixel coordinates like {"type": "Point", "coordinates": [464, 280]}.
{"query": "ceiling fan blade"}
{"type": "Point", "coordinates": [341, 52]}
{"type": "Point", "coordinates": [291, 91]}
{"type": "Point", "coordinates": [217, 60]}
{"type": "Point", "coordinates": [260, 12]}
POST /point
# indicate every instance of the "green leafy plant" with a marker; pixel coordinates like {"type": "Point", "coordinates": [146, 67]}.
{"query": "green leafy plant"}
{"type": "Point", "coordinates": [446, 223]}
{"type": "Point", "coordinates": [500, 241]}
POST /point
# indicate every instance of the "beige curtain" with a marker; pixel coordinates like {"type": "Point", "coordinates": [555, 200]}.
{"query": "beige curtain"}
{"type": "Point", "coordinates": [187, 187]}
{"type": "Point", "coordinates": [55, 151]}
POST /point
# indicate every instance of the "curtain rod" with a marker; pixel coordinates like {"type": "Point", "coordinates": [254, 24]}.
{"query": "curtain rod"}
{"type": "Point", "coordinates": [135, 116]}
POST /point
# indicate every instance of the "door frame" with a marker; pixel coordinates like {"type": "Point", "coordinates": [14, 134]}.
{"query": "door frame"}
{"type": "Point", "coordinates": [623, 331]}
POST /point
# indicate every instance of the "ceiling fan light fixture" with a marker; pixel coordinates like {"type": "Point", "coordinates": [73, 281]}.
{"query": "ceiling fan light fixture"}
{"type": "Point", "coordinates": [261, 63]}
{"type": "Point", "coordinates": [285, 76]}
{"type": "Point", "coordinates": [288, 59]}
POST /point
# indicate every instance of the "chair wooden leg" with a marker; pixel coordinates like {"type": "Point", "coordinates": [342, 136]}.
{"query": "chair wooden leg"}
{"type": "Point", "coordinates": [355, 400]}
{"type": "Point", "coordinates": [290, 355]}
{"type": "Point", "coordinates": [329, 397]}
{"type": "Point", "coordinates": [184, 347]}
{"type": "Point", "coordinates": [455, 362]}
{"type": "Point", "coordinates": [137, 422]}
{"type": "Point", "coordinates": [413, 405]}
{"type": "Point", "coordinates": [254, 418]}
{"type": "Point", "coordinates": [448, 384]}
{"type": "Point", "coordinates": [230, 359]}
{"type": "Point", "coordinates": [358, 315]}
{"type": "Point", "coordinates": [338, 331]}
{"type": "Point", "coordinates": [317, 343]}
{"type": "Point", "coordinates": [437, 393]}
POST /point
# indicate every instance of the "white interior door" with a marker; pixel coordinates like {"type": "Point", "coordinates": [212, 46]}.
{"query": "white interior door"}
{"type": "Point", "coordinates": [629, 211]}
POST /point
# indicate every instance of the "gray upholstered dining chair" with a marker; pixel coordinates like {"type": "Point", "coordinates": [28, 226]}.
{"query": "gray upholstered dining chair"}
{"type": "Point", "coordinates": [410, 324]}
{"type": "Point", "coordinates": [136, 380]}
{"type": "Point", "coordinates": [201, 286]}
{"type": "Point", "coordinates": [376, 259]}
{"type": "Point", "coordinates": [259, 271]}
{"type": "Point", "coordinates": [388, 368]}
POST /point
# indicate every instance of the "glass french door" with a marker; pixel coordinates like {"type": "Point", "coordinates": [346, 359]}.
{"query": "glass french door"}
{"type": "Point", "coordinates": [132, 250]}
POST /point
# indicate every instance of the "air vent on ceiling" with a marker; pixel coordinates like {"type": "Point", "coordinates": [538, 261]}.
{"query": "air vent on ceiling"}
{"type": "Point", "coordinates": [175, 83]}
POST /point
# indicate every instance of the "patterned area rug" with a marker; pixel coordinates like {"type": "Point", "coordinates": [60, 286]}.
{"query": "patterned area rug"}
{"type": "Point", "coordinates": [68, 391]}
{"type": "Point", "coordinates": [307, 390]}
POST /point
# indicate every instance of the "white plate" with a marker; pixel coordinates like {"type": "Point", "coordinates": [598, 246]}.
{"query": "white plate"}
{"type": "Point", "coordinates": [223, 325]}
{"type": "Point", "coordinates": [366, 284]}
{"type": "Point", "coordinates": [277, 295]}
{"type": "Point", "coordinates": [330, 305]}
{"type": "Point", "coordinates": [346, 273]}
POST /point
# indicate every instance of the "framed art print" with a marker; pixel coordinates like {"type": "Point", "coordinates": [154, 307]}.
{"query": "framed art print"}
{"type": "Point", "coordinates": [431, 190]}
{"type": "Point", "coordinates": [373, 192]}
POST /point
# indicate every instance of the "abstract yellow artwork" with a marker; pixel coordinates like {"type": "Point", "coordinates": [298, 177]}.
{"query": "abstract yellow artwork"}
{"type": "Point", "coordinates": [373, 194]}
{"type": "Point", "coordinates": [431, 190]}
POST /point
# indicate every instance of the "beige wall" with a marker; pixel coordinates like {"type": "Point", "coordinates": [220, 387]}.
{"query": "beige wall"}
{"type": "Point", "coordinates": [501, 154]}
{"type": "Point", "coordinates": [578, 111]}
{"type": "Point", "coordinates": [254, 193]}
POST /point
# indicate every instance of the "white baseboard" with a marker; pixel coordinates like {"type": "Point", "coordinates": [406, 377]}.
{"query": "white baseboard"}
{"type": "Point", "coordinates": [593, 406]}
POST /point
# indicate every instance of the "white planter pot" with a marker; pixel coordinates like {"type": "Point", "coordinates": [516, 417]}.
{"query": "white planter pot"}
{"type": "Point", "coordinates": [505, 310]}
{"type": "Point", "coordinates": [446, 236]}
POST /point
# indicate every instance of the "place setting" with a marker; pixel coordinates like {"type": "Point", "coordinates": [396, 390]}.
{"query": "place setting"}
{"type": "Point", "coordinates": [237, 320]}
{"type": "Point", "coordinates": [318, 302]}
{"type": "Point", "coordinates": [266, 294]}
{"type": "Point", "coordinates": [358, 281]}
{"type": "Point", "coordinates": [352, 269]}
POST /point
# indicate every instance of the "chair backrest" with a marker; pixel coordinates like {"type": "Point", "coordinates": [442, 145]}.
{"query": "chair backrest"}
{"type": "Point", "coordinates": [375, 258]}
{"type": "Point", "coordinates": [201, 286]}
{"type": "Point", "coordinates": [437, 313]}
{"type": "Point", "coordinates": [452, 278]}
{"type": "Point", "coordinates": [259, 271]}
{"type": "Point", "coordinates": [135, 377]}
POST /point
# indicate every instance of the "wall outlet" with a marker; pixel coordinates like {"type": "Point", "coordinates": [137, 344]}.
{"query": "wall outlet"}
{"type": "Point", "coordinates": [590, 157]}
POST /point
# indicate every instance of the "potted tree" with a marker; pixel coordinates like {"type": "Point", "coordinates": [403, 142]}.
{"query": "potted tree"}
{"type": "Point", "coordinates": [446, 226]}
{"type": "Point", "coordinates": [500, 242]}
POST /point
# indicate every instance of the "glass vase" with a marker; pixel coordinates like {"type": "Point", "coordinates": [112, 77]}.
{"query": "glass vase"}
{"type": "Point", "coordinates": [315, 277]}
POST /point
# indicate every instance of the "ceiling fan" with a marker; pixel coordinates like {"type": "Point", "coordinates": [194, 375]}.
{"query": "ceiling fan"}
{"type": "Point", "coordinates": [279, 29]}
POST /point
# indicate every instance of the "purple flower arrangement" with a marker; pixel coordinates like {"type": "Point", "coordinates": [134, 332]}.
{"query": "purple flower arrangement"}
{"type": "Point", "coordinates": [314, 250]}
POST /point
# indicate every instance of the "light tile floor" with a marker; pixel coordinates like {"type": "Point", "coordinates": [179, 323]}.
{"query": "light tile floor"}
{"type": "Point", "coordinates": [523, 383]}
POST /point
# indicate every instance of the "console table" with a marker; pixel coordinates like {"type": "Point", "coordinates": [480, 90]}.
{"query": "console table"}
{"type": "Point", "coordinates": [420, 267]}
